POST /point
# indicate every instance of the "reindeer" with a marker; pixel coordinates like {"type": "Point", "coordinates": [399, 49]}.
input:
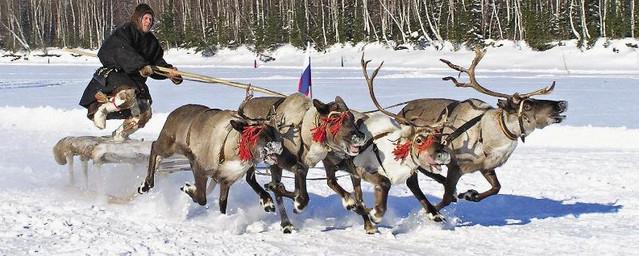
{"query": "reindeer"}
{"type": "Point", "coordinates": [397, 147]}
{"type": "Point", "coordinates": [310, 130]}
{"type": "Point", "coordinates": [219, 144]}
{"type": "Point", "coordinates": [482, 137]}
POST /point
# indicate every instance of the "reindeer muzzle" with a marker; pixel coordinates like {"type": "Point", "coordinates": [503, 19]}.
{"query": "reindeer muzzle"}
{"type": "Point", "coordinates": [272, 151]}
{"type": "Point", "coordinates": [357, 141]}
{"type": "Point", "coordinates": [561, 107]}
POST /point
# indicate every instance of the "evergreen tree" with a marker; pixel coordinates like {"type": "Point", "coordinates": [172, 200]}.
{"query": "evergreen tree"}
{"type": "Point", "coordinates": [166, 29]}
{"type": "Point", "coordinates": [474, 34]}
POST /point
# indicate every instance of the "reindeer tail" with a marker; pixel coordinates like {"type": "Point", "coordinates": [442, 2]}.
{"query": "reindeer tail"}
{"type": "Point", "coordinates": [59, 151]}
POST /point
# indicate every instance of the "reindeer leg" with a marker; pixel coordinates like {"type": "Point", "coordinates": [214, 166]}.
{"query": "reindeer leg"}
{"type": "Point", "coordinates": [276, 185]}
{"type": "Point", "coordinates": [285, 223]}
{"type": "Point", "coordinates": [301, 194]}
{"type": "Point", "coordinates": [225, 186]}
{"type": "Point", "coordinates": [266, 201]}
{"type": "Point", "coordinates": [361, 208]}
{"type": "Point", "coordinates": [197, 192]}
{"type": "Point", "coordinates": [452, 177]}
{"type": "Point", "coordinates": [435, 176]}
{"type": "Point", "coordinates": [473, 195]}
{"type": "Point", "coordinates": [413, 185]}
{"type": "Point", "coordinates": [154, 164]}
{"type": "Point", "coordinates": [347, 200]}
{"type": "Point", "coordinates": [382, 186]}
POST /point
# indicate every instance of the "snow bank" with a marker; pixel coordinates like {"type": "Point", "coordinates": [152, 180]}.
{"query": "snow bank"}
{"type": "Point", "coordinates": [74, 122]}
{"type": "Point", "coordinates": [605, 57]}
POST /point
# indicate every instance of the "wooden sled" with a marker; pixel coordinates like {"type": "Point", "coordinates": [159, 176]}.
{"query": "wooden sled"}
{"type": "Point", "coordinates": [104, 150]}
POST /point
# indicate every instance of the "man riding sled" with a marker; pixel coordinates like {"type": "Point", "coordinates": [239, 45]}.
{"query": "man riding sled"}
{"type": "Point", "coordinates": [118, 89]}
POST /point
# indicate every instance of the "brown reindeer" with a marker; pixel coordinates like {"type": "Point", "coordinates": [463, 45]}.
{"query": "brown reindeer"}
{"type": "Point", "coordinates": [397, 148]}
{"type": "Point", "coordinates": [310, 130]}
{"type": "Point", "coordinates": [482, 137]}
{"type": "Point", "coordinates": [219, 144]}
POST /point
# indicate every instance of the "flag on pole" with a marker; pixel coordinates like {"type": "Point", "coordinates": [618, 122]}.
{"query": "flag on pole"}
{"type": "Point", "coordinates": [304, 85]}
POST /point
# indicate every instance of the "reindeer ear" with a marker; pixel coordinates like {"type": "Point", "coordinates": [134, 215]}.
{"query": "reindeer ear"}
{"type": "Point", "coordinates": [503, 104]}
{"type": "Point", "coordinates": [359, 122]}
{"type": "Point", "coordinates": [340, 102]}
{"type": "Point", "coordinates": [322, 108]}
{"type": "Point", "coordinates": [238, 125]}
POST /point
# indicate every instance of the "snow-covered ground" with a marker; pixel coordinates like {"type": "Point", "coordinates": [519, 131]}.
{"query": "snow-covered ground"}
{"type": "Point", "coordinates": [570, 190]}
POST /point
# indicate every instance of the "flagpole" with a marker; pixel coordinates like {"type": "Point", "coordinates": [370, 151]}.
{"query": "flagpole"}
{"type": "Point", "coordinates": [308, 55]}
{"type": "Point", "coordinates": [310, 88]}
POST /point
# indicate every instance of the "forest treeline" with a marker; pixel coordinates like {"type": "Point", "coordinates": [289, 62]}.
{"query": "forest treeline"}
{"type": "Point", "coordinates": [266, 24]}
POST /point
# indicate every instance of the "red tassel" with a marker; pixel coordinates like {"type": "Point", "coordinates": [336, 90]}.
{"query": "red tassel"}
{"type": "Point", "coordinates": [430, 140]}
{"type": "Point", "coordinates": [319, 133]}
{"type": "Point", "coordinates": [401, 150]}
{"type": "Point", "coordinates": [248, 140]}
{"type": "Point", "coordinates": [334, 124]}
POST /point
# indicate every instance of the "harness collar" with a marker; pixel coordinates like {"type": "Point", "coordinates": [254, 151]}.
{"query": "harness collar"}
{"type": "Point", "coordinates": [502, 124]}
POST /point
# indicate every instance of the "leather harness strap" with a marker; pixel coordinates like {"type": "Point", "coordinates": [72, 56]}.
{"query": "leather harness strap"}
{"type": "Point", "coordinates": [462, 129]}
{"type": "Point", "coordinates": [502, 126]}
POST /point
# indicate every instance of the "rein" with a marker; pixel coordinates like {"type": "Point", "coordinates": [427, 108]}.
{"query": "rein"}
{"type": "Point", "coordinates": [267, 173]}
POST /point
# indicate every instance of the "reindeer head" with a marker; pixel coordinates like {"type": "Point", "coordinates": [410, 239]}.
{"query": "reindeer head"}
{"type": "Point", "coordinates": [536, 113]}
{"type": "Point", "coordinates": [422, 141]}
{"type": "Point", "coordinates": [259, 141]}
{"type": "Point", "coordinates": [532, 113]}
{"type": "Point", "coordinates": [423, 145]}
{"type": "Point", "coordinates": [337, 127]}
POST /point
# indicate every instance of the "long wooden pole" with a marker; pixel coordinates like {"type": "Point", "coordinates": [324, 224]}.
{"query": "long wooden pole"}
{"type": "Point", "coordinates": [195, 77]}
{"type": "Point", "coordinates": [208, 79]}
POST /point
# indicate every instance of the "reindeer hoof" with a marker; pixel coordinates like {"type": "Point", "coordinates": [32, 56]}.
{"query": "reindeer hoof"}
{"type": "Point", "coordinates": [287, 229]}
{"type": "Point", "coordinates": [143, 188]}
{"type": "Point", "coordinates": [436, 217]}
{"type": "Point", "coordinates": [349, 203]}
{"type": "Point", "coordinates": [371, 231]}
{"type": "Point", "coordinates": [267, 205]}
{"type": "Point", "coordinates": [372, 215]}
{"type": "Point", "coordinates": [470, 195]}
{"type": "Point", "coordinates": [299, 204]}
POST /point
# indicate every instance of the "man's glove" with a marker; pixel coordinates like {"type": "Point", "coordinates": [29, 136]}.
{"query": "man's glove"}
{"type": "Point", "coordinates": [146, 71]}
{"type": "Point", "coordinates": [175, 77]}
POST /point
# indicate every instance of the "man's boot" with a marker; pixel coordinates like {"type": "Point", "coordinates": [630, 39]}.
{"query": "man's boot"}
{"type": "Point", "coordinates": [122, 100]}
{"type": "Point", "coordinates": [99, 119]}
{"type": "Point", "coordinates": [128, 127]}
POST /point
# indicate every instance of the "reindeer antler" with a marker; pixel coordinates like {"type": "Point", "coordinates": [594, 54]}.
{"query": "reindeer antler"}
{"type": "Point", "coordinates": [479, 54]}
{"type": "Point", "coordinates": [369, 82]}
{"type": "Point", "coordinates": [542, 91]}
{"type": "Point", "coordinates": [249, 95]}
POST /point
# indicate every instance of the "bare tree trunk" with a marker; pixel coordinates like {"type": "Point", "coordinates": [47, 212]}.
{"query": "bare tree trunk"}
{"type": "Point", "coordinates": [572, 25]}
{"type": "Point", "coordinates": [401, 30]}
{"type": "Point", "coordinates": [602, 17]}
{"type": "Point", "coordinates": [584, 26]}
{"type": "Point", "coordinates": [421, 24]}
{"type": "Point", "coordinates": [632, 18]}
{"type": "Point", "coordinates": [496, 14]}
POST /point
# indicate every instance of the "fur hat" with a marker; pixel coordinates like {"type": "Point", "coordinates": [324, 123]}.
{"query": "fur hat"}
{"type": "Point", "coordinates": [139, 12]}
